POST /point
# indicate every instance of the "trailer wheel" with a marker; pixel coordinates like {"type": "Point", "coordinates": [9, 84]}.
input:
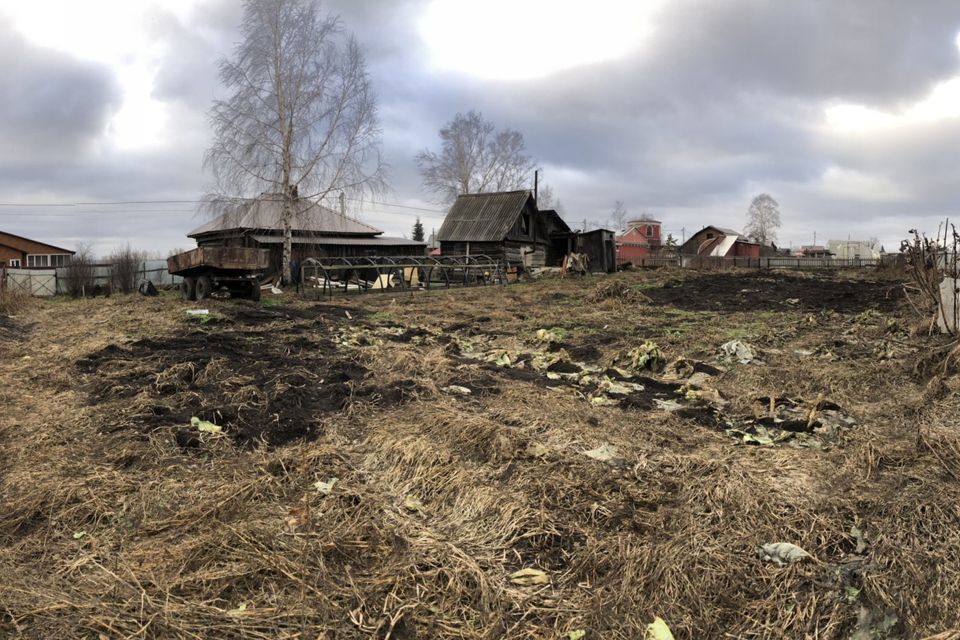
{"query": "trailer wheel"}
{"type": "Point", "coordinates": [188, 289]}
{"type": "Point", "coordinates": [254, 290]}
{"type": "Point", "coordinates": [204, 287]}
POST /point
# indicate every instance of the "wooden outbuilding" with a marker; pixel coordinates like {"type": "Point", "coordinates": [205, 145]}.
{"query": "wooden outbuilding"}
{"type": "Point", "coordinates": [508, 226]}
{"type": "Point", "coordinates": [317, 232]}
{"type": "Point", "coordinates": [718, 242]}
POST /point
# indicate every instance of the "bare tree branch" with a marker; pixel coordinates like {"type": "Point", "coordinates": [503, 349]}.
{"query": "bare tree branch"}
{"type": "Point", "coordinates": [475, 158]}
{"type": "Point", "coordinates": [763, 219]}
{"type": "Point", "coordinates": [302, 117]}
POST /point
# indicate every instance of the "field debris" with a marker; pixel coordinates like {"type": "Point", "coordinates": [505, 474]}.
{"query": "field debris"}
{"type": "Point", "coordinates": [619, 291]}
{"type": "Point", "coordinates": [325, 487]}
{"type": "Point", "coordinates": [455, 389]}
{"type": "Point", "coordinates": [739, 351]}
{"type": "Point", "coordinates": [205, 426]}
{"type": "Point", "coordinates": [529, 577]}
{"type": "Point", "coordinates": [592, 471]}
{"type": "Point", "coordinates": [603, 453]}
{"type": "Point", "coordinates": [783, 553]}
{"type": "Point", "coordinates": [658, 630]}
{"type": "Point", "coordinates": [645, 356]}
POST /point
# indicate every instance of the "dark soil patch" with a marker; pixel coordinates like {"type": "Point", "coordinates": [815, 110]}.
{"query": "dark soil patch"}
{"type": "Point", "coordinates": [253, 313]}
{"type": "Point", "coordinates": [653, 390]}
{"type": "Point", "coordinates": [409, 334]}
{"type": "Point", "coordinates": [731, 292]}
{"type": "Point", "coordinates": [480, 385]}
{"type": "Point", "coordinates": [580, 353]}
{"type": "Point", "coordinates": [563, 367]}
{"type": "Point", "coordinates": [254, 389]}
{"type": "Point", "coordinates": [393, 394]}
{"type": "Point", "coordinates": [703, 416]}
{"type": "Point", "coordinates": [12, 329]}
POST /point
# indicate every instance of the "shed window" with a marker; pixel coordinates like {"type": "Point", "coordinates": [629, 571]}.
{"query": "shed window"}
{"type": "Point", "coordinates": [710, 236]}
{"type": "Point", "coordinates": [525, 224]}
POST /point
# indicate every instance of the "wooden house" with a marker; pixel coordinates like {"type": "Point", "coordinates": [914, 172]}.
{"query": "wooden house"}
{"type": "Point", "coordinates": [18, 252]}
{"type": "Point", "coordinates": [317, 232]}
{"type": "Point", "coordinates": [718, 242]}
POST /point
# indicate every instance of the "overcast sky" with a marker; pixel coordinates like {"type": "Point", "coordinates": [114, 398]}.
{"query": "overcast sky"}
{"type": "Point", "coordinates": [846, 111]}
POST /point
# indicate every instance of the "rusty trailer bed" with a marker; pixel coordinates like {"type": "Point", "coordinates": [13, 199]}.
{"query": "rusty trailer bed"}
{"type": "Point", "coordinates": [218, 259]}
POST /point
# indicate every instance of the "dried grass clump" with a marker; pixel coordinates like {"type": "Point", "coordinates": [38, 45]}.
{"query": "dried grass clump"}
{"type": "Point", "coordinates": [619, 291]}
{"type": "Point", "coordinates": [15, 301]}
{"type": "Point", "coordinates": [109, 528]}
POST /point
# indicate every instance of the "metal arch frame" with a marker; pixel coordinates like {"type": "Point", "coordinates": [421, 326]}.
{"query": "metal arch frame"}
{"type": "Point", "coordinates": [453, 271]}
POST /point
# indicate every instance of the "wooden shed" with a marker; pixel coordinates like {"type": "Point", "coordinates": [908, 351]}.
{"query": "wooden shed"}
{"type": "Point", "coordinates": [317, 232]}
{"type": "Point", "coordinates": [506, 225]}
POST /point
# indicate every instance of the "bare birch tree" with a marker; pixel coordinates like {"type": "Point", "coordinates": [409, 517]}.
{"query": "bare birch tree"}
{"type": "Point", "coordinates": [619, 214]}
{"type": "Point", "coordinates": [763, 219]}
{"type": "Point", "coordinates": [301, 121]}
{"type": "Point", "coordinates": [475, 158]}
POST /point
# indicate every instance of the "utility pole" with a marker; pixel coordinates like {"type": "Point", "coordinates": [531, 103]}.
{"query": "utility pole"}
{"type": "Point", "coordinates": [584, 230]}
{"type": "Point", "coordinates": [683, 235]}
{"type": "Point", "coordinates": [343, 204]}
{"type": "Point", "coordinates": [536, 184]}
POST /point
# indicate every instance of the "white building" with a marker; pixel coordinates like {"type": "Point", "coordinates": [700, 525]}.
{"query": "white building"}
{"type": "Point", "coordinates": [855, 249]}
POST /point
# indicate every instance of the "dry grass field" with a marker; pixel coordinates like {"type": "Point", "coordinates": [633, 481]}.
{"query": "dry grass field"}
{"type": "Point", "coordinates": [384, 466]}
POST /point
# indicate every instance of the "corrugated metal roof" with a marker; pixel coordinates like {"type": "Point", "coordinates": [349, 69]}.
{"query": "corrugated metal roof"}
{"type": "Point", "coordinates": [265, 213]}
{"type": "Point", "coordinates": [723, 247]}
{"type": "Point", "coordinates": [728, 232]}
{"type": "Point", "coordinates": [379, 241]}
{"type": "Point", "coordinates": [482, 217]}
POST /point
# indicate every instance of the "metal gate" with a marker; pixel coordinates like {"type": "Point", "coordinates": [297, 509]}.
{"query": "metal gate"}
{"type": "Point", "coordinates": [37, 282]}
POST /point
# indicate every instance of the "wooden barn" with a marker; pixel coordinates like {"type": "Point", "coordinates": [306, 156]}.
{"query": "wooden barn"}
{"type": "Point", "coordinates": [718, 242]}
{"type": "Point", "coordinates": [507, 225]}
{"type": "Point", "coordinates": [318, 232]}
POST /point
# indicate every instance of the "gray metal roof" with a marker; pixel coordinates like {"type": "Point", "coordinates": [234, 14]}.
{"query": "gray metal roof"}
{"type": "Point", "coordinates": [265, 213]}
{"type": "Point", "coordinates": [482, 217]}
{"type": "Point", "coordinates": [379, 241]}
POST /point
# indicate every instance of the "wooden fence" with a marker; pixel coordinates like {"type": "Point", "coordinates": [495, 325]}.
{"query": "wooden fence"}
{"type": "Point", "coordinates": [743, 262]}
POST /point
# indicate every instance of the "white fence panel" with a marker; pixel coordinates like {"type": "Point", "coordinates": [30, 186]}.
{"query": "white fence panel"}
{"type": "Point", "coordinates": [38, 282]}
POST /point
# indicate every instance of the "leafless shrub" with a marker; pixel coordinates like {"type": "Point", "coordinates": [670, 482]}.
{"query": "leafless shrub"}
{"type": "Point", "coordinates": [928, 262]}
{"type": "Point", "coordinates": [79, 273]}
{"type": "Point", "coordinates": [13, 301]}
{"type": "Point", "coordinates": [125, 265]}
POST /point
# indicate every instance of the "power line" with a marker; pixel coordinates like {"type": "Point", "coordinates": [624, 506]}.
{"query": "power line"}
{"type": "Point", "coordinates": [132, 202]}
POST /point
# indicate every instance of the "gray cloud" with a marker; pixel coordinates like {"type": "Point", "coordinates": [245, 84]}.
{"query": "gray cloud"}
{"type": "Point", "coordinates": [725, 100]}
{"type": "Point", "coordinates": [50, 103]}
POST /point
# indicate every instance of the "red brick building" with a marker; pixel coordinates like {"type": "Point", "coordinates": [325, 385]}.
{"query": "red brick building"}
{"type": "Point", "coordinates": [19, 252]}
{"type": "Point", "coordinates": [640, 239]}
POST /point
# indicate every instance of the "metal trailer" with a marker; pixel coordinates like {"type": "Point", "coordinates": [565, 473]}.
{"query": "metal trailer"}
{"type": "Point", "coordinates": [206, 270]}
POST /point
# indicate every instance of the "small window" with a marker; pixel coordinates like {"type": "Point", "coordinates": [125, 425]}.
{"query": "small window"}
{"type": "Point", "coordinates": [710, 236]}
{"type": "Point", "coordinates": [59, 260]}
{"type": "Point", "coordinates": [14, 263]}
{"type": "Point", "coordinates": [649, 230]}
{"type": "Point", "coordinates": [525, 224]}
{"type": "Point", "coordinates": [38, 261]}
